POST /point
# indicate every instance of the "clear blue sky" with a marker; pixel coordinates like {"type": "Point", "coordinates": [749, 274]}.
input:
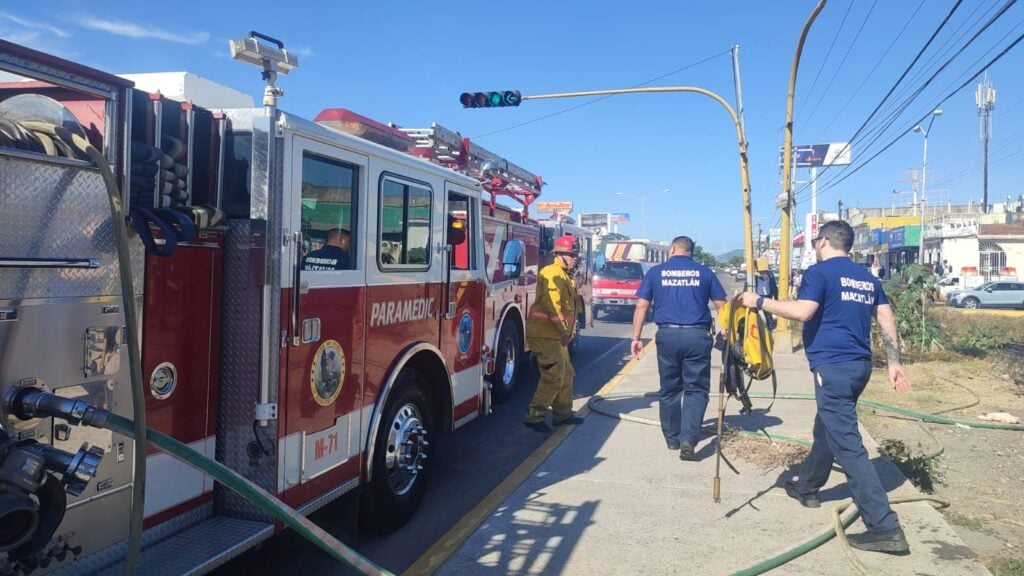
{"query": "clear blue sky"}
{"type": "Point", "coordinates": [407, 62]}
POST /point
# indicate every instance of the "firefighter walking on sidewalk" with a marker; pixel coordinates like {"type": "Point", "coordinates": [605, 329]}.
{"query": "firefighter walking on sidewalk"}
{"type": "Point", "coordinates": [549, 329]}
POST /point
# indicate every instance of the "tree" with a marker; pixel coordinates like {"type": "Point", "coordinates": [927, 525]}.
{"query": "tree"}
{"type": "Point", "coordinates": [736, 261]}
{"type": "Point", "coordinates": [700, 255]}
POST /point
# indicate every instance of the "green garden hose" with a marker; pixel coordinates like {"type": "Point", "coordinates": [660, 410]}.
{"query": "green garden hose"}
{"type": "Point", "coordinates": [840, 521]}
{"type": "Point", "coordinates": [265, 500]}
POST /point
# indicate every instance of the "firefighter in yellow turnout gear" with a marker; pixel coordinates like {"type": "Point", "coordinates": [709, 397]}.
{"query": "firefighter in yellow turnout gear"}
{"type": "Point", "coordinates": [549, 329]}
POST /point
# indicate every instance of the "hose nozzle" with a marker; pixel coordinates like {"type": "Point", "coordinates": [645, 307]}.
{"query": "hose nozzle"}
{"type": "Point", "coordinates": [29, 403]}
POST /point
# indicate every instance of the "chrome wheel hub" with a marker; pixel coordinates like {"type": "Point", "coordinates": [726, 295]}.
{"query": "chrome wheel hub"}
{"type": "Point", "coordinates": [509, 373]}
{"type": "Point", "coordinates": [406, 449]}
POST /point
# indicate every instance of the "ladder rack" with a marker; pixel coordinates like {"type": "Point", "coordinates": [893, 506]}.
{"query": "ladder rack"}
{"type": "Point", "coordinates": [498, 176]}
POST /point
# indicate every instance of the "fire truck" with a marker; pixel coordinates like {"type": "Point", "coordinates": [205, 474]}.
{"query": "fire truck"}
{"type": "Point", "coordinates": [626, 262]}
{"type": "Point", "coordinates": [316, 304]}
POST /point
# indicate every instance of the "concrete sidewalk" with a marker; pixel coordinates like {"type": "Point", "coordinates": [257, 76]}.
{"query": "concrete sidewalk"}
{"type": "Point", "coordinates": [611, 499]}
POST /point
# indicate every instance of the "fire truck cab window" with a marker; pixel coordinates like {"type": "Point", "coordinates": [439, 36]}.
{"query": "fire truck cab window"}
{"type": "Point", "coordinates": [329, 193]}
{"type": "Point", "coordinates": [405, 223]}
{"type": "Point", "coordinates": [460, 232]}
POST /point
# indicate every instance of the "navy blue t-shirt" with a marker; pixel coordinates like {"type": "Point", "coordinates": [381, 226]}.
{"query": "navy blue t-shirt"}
{"type": "Point", "coordinates": [847, 294]}
{"type": "Point", "coordinates": [681, 289]}
{"type": "Point", "coordinates": [326, 258]}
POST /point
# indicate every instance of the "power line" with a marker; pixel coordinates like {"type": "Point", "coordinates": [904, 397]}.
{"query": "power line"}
{"type": "Point", "coordinates": [831, 185]}
{"type": "Point", "coordinates": [831, 81]}
{"type": "Point", "coordinates": [894, 115]}
{"type": "Point", "coordinates": [893, 88]}
{"type": "Point", "coordinates": [879, 131]}
{"type": "Point", "coordinates": [828, 53]}
{"type": "Point", "coordinates": [873, 68]}
{"type": "Point", "coordinates": [596, 100]}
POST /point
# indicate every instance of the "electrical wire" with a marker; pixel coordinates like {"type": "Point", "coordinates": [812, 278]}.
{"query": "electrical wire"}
{"type": "Point", "coordinates": [879, 132]}
{"type": "Point", "coordinates": [596, 100]}
{"type": "Point", "coordinates": [828, 53]}
{"type": "Point", "coordinates": [831, 81]}
{"type": "Point", "coordinates": [849, 173]}
{"type": "Point", "coordinates": [873, 68]}
{"type": "Point", "coordinates": [892, 89]}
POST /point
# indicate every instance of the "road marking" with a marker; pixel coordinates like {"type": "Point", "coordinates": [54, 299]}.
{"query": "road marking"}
{"type": "Point", "coordinates": [437, 554]}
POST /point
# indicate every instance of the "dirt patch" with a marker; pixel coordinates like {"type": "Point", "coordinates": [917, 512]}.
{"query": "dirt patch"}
{"type": "Point", "coordinates": [763, 452]}
{"type": "Point", "coordinates": [981, 472]}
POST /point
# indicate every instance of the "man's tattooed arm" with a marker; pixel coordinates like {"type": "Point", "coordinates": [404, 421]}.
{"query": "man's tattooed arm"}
{"type": "Point", "coordinates": [892, 349]}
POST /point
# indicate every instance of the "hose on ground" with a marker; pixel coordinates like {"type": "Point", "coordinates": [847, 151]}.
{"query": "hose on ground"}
{"type": "Point", "coordinates": [58, 134]}
{"type": "Point", "coordinates": [242, 486]}
{"type": "Point", "coordinates": [840, 521]}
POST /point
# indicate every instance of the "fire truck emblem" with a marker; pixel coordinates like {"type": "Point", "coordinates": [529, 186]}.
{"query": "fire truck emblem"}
{"type": "Point", "coordinates": [465, 332]}
{"type": "Point", "coordinates": [327, 373]}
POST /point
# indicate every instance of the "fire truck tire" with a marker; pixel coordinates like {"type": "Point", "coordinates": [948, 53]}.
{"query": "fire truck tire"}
{"type": "Point", "coordinates": [401, 465]}
{"type": "Point", "coordinates": [506, 363]}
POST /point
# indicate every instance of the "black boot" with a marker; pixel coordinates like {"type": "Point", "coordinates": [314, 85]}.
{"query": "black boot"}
{"type": "Point", "coordinates": [890, 542]}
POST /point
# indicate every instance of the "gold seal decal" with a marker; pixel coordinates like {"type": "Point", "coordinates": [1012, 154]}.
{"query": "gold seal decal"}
{"type": "Point", "coordinates": [327, 373]}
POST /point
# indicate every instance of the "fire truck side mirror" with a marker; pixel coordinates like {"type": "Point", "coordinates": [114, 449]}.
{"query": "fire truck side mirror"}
{"type": "Point", "coordinates": [512, 258]}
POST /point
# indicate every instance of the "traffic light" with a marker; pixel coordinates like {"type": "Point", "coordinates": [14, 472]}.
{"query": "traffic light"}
{"type": "Point", "coordinates": [490, 99]}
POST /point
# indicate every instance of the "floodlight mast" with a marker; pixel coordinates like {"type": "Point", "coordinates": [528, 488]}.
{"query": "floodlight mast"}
{"type": "Point", "coordinates": [271, 60]}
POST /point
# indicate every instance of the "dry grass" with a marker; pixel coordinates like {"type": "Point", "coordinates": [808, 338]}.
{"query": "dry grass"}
{"type": "Point", "coordinates": [760, 451]}
{"type": "Point", "coordinates": [940, 385]}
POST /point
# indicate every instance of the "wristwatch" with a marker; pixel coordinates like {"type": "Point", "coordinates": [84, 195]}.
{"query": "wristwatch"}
{"type": "Point", "coordinates": [760, 302]}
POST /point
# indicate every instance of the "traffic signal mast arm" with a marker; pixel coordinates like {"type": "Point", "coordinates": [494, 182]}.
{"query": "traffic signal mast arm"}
{"type": "Point", "coordinates": [498, 176]}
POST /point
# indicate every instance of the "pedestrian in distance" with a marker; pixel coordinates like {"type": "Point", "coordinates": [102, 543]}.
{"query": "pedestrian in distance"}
{"type": "Point", "coordinates": [680, 290]}
{"type": "Point", "coordinates": [836, 302]}
{"type": "Point", "coordinates": [550, 327]}
{"type": "Point", "coordinates": [333, 255]}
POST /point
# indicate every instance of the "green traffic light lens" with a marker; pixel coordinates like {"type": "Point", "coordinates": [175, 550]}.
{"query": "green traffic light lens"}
{"type": "Point", "coordinates": [494, 99]}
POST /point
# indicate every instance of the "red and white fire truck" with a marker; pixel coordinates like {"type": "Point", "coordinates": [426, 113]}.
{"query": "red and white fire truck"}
{"type": "Point", "coordinates": [317, 305]}
{"type": "Point", "coordinates": [625, 263]}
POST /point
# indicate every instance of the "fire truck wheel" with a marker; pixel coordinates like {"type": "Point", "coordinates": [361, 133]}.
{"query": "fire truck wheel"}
{"type": "Point", "coordinates": [400, 460]}
{"type": "Point", "coordinates": [506, 363]}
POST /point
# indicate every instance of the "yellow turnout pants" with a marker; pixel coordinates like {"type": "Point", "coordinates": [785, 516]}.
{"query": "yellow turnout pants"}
{"type": "Point", "coordinates": [554, 390]}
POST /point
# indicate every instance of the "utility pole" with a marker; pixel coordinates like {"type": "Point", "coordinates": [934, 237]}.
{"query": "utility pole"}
{"type": "Point", "coordinates": [786, 199]}
{"type": "Point", "coordinates": [985, 98]}
{"type": "Point", "coordinates": [738, 86]}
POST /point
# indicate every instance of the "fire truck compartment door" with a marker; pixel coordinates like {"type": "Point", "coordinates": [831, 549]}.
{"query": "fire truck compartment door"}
{"type": "Point", "coordinates": [461, 337]}
{"type": "Point", "coordinates": [325, 196]}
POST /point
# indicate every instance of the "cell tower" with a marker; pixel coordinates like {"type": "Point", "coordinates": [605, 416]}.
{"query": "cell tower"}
{"type": "Point", "coordinates": [985, 97]}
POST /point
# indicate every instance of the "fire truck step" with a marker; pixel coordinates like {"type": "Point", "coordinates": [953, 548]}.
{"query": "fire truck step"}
{"type": "Point", "coordinates": [199, 549]}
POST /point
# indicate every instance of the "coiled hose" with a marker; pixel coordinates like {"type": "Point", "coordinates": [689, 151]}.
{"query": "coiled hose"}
{"type": "Point", "coordinates": [65, 143]}
{"type": "Point", "coordinates": [843, 515]}
{"type": "Point", "coordinates": [61, 139]}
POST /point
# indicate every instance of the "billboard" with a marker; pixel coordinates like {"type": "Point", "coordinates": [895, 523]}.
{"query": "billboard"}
{"type": "Point", "coordinates": [818, 155]}
{"type": "Point", "coordinates": [620, 217]}
{"type": "Point", "coordinates": [597, 222]}
{"type": "Point", "coordinates": [563, 206]}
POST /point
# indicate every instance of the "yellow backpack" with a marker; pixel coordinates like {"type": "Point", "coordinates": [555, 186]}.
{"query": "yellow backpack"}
{"type": "Point", "coordinates": [748, 350]}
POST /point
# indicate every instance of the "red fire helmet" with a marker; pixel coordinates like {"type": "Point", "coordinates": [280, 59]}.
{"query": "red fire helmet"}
{"type": "Point", "coordinates": [566, 245]}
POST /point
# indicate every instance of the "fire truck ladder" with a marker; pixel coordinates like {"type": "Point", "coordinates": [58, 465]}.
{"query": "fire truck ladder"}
{"type": "Point", "coordinates": [498, 176]}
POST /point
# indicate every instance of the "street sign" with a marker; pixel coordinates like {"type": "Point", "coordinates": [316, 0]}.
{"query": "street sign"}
{"type": "Point", "coordinates": [563, 206]}
{"type": "Point", "coordinates": [620, 217]}
{"type": "Point", "coordinates": [818, 155]}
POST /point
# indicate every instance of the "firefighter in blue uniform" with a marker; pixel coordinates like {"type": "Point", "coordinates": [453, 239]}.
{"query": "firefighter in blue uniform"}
{"type": "Point", "coordinates": [836, 302]}
{"type": "Point", "coordinates": [680, 289]}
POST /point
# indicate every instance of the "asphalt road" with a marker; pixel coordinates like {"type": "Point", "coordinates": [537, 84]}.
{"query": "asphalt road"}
{"type": "Point", "coordinates": [470, 462]}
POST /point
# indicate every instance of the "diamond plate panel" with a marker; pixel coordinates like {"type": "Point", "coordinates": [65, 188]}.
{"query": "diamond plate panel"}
{"type": "Point", "coordinates": [241, 326]}
{"type": "Point", "coordinates": [103, 559]}
{"type": "Point", "coordinates": [41, 71]}
{"type": "Point", "coordinates": [200, 548]}
{"type": "Point", "coordinates": [48, 210]}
